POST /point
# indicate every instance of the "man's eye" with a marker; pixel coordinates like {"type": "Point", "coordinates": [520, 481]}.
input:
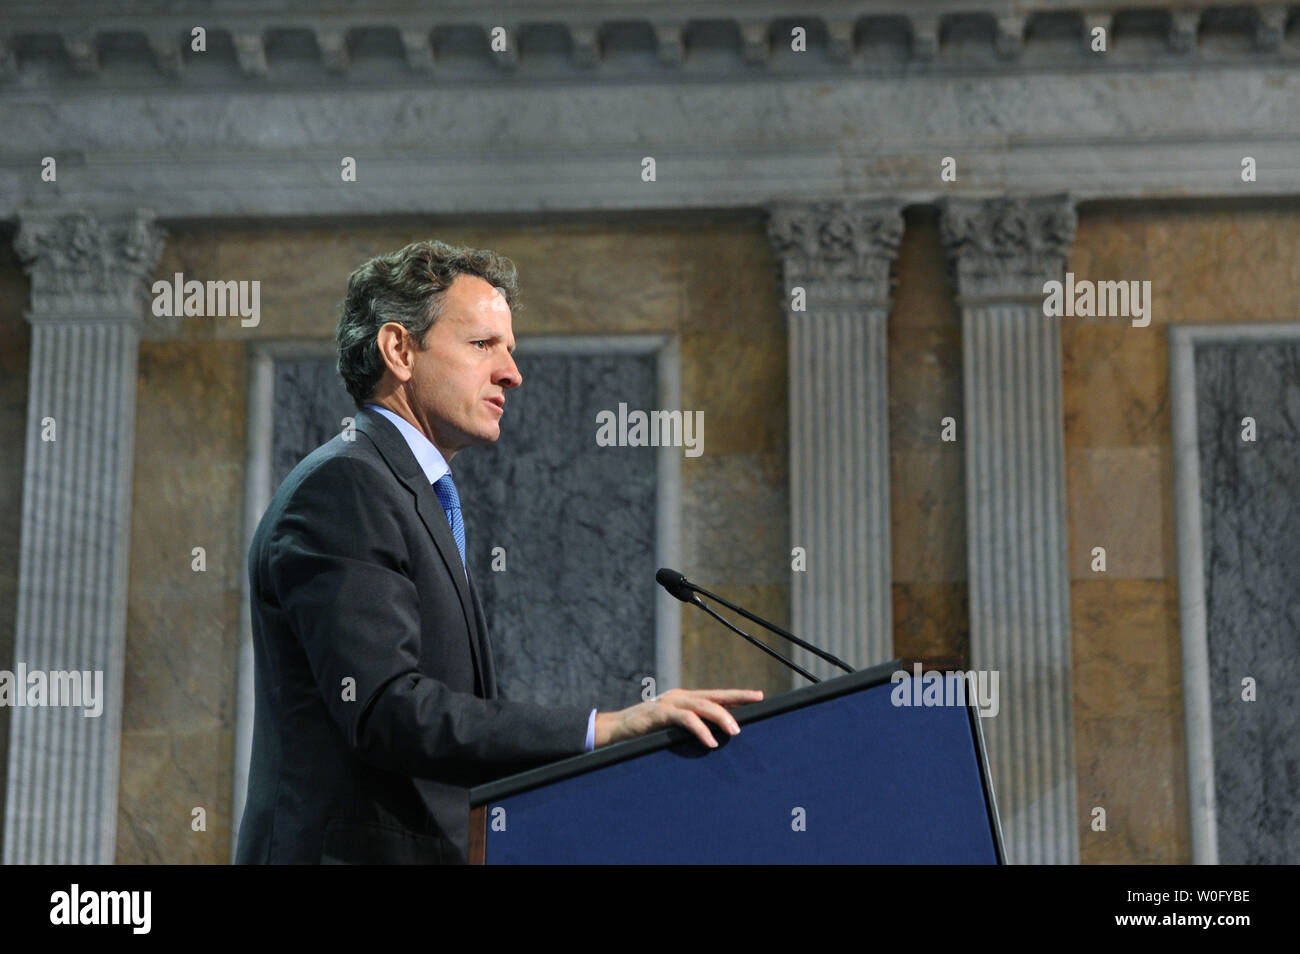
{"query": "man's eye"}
{"type": "Point", "coordinates": [481, 341]}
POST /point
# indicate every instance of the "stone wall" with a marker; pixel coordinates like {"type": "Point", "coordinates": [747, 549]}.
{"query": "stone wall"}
{"type": "Point", "coordinates": [714, 284]}
{"type": "Point", "coordinates": [1210, 264]}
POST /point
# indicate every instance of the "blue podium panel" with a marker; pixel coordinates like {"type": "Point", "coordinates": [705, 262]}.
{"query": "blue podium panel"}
{"type": "Point", "coordinates": [852, 779]}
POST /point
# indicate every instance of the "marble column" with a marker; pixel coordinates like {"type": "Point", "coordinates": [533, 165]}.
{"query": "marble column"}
{"type": "Point", "coordinates": [835, 260]}
{"type": "Point", "coordinates": [87, 299]}
{"type": "Point", "coordinates": [1003, 251]}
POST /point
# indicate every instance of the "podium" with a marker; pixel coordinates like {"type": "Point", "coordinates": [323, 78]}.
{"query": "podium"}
{"type": "Point", "coordinates": [832, 773]}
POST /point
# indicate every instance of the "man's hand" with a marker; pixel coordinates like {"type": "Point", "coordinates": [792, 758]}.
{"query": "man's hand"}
{"type": "Point", "coordinates": [682, 707]}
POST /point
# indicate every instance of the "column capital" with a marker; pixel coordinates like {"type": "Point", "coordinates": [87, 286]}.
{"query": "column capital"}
{"type": "Point", "coordinates": [1005, 248]}
{"type": "Point", "coordinates": [844, 247]}
{"type": "Point", "coordinates": [88, 266]}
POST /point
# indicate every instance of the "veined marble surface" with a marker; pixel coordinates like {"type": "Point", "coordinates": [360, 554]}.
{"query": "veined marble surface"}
{"type": "Point", "coordinates": [1250, 511]}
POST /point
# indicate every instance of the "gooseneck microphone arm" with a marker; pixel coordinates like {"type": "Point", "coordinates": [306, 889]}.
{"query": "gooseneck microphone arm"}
{"type": "Point", "coordinates": [686, 591]}
{"type": "Point", "coordinates": [761, 645]}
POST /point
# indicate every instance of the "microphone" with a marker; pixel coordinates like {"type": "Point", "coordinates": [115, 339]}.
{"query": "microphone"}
{"type": "Point", "coordinates": [674, 583]}
{"type": "Point", "coordinates": [684, 590]}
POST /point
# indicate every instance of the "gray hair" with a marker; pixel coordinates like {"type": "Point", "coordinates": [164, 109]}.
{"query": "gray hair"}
{"type": "Point", "coordinates": [406, 287]}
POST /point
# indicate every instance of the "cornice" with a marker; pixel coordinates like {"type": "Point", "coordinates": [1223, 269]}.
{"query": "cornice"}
{"type": "Point", "coordinates": [285, 41]}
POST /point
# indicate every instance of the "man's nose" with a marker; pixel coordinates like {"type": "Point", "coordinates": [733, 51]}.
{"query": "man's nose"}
{"type": "Point", "coordinates": [510, 376]}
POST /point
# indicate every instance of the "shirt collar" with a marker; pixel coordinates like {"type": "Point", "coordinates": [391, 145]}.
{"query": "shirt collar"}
{"type": "Point", "coordinates": [428, 457]}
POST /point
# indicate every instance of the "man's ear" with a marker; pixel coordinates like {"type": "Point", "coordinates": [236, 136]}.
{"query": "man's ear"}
{"type": "Point", "coordinates": [396, 347]}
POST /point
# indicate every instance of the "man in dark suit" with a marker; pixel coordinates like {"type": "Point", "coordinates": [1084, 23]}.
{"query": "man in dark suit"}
{"type": "Point", "coordinates": [376, 704]}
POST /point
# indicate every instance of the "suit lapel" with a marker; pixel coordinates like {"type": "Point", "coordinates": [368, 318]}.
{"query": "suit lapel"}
{"type": "Point", "coordinates": [485, 646]}
{"type": "Point", "coordinates": [395, 451]}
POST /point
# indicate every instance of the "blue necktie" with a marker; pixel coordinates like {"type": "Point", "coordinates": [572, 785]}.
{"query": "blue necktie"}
{"type": "Point", "coordinates": [445, 488]}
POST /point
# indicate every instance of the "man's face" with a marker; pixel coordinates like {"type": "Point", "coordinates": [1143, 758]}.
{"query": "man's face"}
{"type": "Point", "coordinates": [459, 380]}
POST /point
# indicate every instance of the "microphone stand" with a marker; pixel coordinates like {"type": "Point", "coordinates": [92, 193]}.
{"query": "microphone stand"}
{"type": "Point", "coordinates": [761, 645]}
{"type": "Point", "coordinates": [686, 591]}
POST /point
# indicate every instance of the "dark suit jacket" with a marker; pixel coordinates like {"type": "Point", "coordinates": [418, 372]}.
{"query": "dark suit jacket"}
{"type": "Point", "coordinates": [376, 704]}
